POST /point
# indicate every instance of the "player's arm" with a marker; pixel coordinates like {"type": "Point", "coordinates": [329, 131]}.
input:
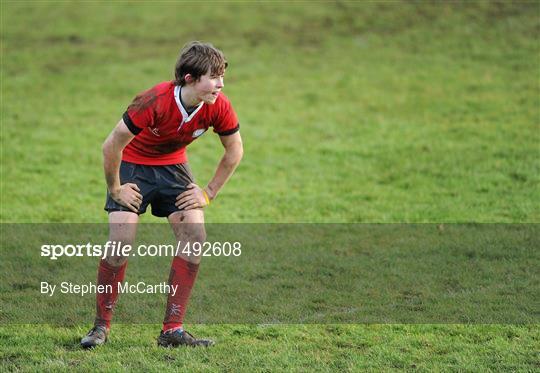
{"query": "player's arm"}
{"type": "Point", "coordinates": [234, 151]}
{"type": "Point", "coordinates": [194, 197]}
{"type": "Point", "coordinates": [128, 194]}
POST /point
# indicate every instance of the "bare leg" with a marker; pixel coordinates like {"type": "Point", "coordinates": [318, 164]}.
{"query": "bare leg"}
{"type": "Point", "coordinates": [122, 228]}
{"type": "Point", "coordinates": [188, 226]}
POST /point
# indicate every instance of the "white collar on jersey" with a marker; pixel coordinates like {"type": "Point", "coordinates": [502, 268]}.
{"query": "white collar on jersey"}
{"type": "Point", "coordinates": [185, 116]}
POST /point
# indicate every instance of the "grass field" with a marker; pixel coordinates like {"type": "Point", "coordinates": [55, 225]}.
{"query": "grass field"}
{"type": "Point", "coordinates": [379, 112]}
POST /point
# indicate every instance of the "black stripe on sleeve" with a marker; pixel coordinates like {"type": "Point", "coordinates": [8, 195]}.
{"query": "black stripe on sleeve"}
{"type": "Point", "coordinates": [230, 132]}
{"type": "Point", "coordinates": [129, 123]}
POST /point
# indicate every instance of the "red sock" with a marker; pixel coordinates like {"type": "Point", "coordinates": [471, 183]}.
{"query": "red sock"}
{"type": "Point", "coordinates": [183, 274]}
{"type": "Point", "coordinates": [105, 302]}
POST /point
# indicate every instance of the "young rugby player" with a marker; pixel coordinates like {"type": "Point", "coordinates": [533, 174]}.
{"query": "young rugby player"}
{"type": "Point", "coordinates": [145, 164]}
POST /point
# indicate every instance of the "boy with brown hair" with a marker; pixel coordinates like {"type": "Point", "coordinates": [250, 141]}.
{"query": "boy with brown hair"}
{"type": "Point", "coordinates": [145, 164]}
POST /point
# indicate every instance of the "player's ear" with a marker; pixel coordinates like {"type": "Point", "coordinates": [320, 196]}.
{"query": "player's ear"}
{"type": "Point", "coordinates": [188, 78]}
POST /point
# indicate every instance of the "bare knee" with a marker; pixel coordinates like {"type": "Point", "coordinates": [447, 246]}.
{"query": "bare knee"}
{"type": "Point", "coordinates": [122, 232]}
{"type": "Point", "coordinates": [191, 242]}
{"type": "Point", "coordinates": [188, 227]}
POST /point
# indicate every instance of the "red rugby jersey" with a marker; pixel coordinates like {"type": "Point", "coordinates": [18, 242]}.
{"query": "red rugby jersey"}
{"type": "Point", "coordinates": [164, 128]}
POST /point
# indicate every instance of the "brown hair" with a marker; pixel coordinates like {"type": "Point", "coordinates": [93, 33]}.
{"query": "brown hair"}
{"type": "Point", "coordinates": [197, 59]}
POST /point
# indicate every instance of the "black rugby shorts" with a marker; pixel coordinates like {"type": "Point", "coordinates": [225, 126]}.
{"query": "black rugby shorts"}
{"type": "Point", "coordinates": [159, 186]}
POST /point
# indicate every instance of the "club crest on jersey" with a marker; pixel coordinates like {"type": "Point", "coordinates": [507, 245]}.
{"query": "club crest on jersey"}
{"type": "Point", "coordinates": [155, 131]}
{"type": "Point", "coordinates": [198, 132]}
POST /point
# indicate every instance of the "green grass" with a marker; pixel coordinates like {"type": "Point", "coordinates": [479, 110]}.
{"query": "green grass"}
{"type": "Point", "coordinates": [295, 273]}
{"type": "Point", "coordinates": [350, 112]}
{"type": "Point", "coordinates": [285, 347]}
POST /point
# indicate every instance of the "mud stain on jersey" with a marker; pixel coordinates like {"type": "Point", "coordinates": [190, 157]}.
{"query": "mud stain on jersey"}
{"type": "Point", "coordinates": [144, 100]}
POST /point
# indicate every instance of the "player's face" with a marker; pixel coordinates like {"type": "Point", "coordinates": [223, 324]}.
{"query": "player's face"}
{"type": "Point", "coordinates": [208, 88]}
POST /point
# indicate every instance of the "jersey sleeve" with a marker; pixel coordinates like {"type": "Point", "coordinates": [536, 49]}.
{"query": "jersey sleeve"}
{"type": "Point", "coordinates": [226, 122]}
{"type": "Point", "coordinates": [141, 112]}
